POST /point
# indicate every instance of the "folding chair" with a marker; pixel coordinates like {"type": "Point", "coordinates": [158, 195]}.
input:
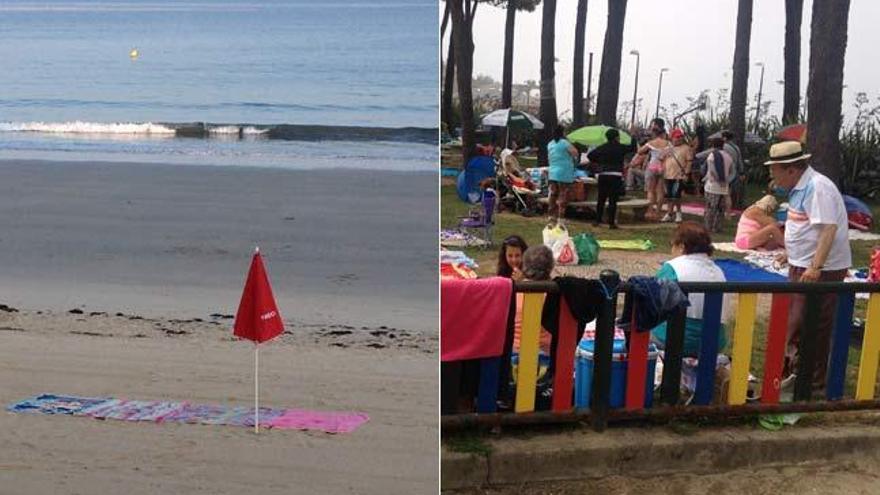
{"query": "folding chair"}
{"type": "Point", "coordinates": [482, 220]}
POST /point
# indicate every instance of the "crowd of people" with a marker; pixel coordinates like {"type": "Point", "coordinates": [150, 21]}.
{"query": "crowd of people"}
{"type": "Point", "coordinates": [666, 162]}
{"type": "Point", "coordinates": [815, 248]}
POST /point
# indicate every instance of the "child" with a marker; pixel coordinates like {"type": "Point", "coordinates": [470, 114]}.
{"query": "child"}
{"type": "Point", "coordinates": [510, 258]}
{"type": "Point", "coordinates": [758, 228]}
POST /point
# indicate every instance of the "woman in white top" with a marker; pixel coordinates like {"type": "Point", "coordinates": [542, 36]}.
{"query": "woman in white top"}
{"type": "Point", "coordinates": [719, 173]}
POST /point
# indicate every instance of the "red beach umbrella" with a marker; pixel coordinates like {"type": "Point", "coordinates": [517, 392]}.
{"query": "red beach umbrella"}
{"type": "Point", "coordinates": [794, 132]}
{"type": "Point", "coordinates": [257, 319]}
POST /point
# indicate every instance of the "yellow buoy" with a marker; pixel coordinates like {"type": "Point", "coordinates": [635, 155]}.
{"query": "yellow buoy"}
{"type": "Point", "coordinates": [133, 53]}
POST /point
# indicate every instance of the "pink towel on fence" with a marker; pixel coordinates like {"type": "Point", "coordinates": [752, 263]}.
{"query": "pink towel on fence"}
{"type": "Point", "coordinates": [473, 317]}
{"type": "Point", "coordinates": [326, 421]}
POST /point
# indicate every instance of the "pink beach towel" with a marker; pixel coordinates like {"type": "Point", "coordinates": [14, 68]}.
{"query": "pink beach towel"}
{"type": "Point", "coordinates": [700, 210]}
{"type": "Point", "coordinates": [326, 421]}
{"type": "Point", "coordinates": [473, 317]}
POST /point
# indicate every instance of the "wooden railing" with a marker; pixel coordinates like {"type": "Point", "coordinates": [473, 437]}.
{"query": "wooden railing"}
{"type": "Point", "coordinates": [494, 371]}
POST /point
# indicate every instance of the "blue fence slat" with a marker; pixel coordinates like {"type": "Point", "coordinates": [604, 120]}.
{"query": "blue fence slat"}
{"type": "Point", "coordinates": [488, 393]}
{"type": "Point", "coordinates": [839, 347]}
{"type": "Point", "coordinates": [708, 348]}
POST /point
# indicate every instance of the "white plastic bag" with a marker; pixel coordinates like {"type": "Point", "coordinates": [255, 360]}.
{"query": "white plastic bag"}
{"type": "Point", "coordinates": [553, 233]}
{"type": "Point", "coordinates": [564, 250]}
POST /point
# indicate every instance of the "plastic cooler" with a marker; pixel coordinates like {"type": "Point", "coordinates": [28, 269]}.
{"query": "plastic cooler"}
{"type": "Point", "coordinates": [583, 382]}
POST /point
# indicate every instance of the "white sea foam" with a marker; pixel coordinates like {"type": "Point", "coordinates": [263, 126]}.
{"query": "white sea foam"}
{"type": "Point", "coordinates": [87, 128]}
{"type": "Point", "coordinates": [234, 129]}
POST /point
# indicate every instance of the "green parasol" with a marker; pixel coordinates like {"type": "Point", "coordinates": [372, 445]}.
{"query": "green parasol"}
{"type": "Point", "coordinates": [594, 135]}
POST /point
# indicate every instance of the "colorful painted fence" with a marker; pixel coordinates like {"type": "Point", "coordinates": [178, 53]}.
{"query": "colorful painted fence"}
{"type": "Point", "coordinates": [494, 372]}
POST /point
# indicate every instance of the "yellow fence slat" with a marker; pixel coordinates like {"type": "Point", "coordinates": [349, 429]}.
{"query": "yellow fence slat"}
{"type": "Point", "coordinates": [742, 348]}
{"type": "Point", "coordinates": [527, 372]}
{"type": "Point", "coordinates": [870, 351]}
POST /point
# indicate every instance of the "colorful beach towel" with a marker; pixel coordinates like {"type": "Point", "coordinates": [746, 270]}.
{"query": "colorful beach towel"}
{"type": "Point", "coordinates": [330, 422]}
{"type": "Point", "coordinates": [858, 235]}
{"type": "Point", "coordinates": [730, 247]}
{"type": "Point", "coordinates": [457, 257]}
{"type": "Point", "coordinates": [457, 238]}
{"type": "Point", "coordinates": [738, 271]}
{"type": "Point", "coordinates": [628, 245]}
{"type": "Point", "coordinates": [183, 412]}
{"type": "Point", "coordinates": [55, 404]}
{"type": "Point", "coordinates": [700, 210]}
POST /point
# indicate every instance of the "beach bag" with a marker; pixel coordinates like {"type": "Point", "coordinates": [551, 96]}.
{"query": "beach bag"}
{"type": "Point", "coordinates": [562, 246]}
{"type": "Point", "coordinates": [587, 248]}
{"type": "Point", "coordinates": [565, 253]}
{"type": "Point", "coordinates": [553, 233]}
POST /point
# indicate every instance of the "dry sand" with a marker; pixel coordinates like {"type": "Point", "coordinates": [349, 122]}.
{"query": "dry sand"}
{"type": "Point", "coordinates": [152, 259]}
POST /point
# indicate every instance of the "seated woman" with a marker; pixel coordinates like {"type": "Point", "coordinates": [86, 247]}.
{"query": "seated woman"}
{"type": "Point", "coordinates": [692, 247]}
{"type": "Point", "coordinates": [757, 226]}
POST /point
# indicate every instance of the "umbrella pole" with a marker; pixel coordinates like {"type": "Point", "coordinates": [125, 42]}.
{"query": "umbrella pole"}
{"type": "Point", "coordinates": [256, 388]}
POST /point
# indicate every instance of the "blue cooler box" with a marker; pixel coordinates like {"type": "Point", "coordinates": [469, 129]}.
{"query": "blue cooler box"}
{"type": "Point", "coordinates": [583, 379]}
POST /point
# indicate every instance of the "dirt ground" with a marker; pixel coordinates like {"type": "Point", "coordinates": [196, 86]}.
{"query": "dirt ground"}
{"type": "Point", "coordinates": [851, 475]}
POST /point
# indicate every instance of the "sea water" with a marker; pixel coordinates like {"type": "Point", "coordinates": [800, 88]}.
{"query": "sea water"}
{"type": "Point", "coordinates": [278, 83]}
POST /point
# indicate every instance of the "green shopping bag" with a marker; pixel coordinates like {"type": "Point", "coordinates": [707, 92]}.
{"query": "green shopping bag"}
{"type": "Point", "coordinates": [587, 249]}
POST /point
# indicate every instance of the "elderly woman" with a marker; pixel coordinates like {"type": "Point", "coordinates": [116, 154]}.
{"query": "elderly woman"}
{"type": "Point", "coordinates": [537, 265]}
{"type": "Point", "coordinates": [692, 247]}
{"type": "Point", "coordinates": [758, 227]}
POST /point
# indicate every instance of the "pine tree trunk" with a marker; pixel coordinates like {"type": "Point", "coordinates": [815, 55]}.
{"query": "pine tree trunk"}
{"type": "Point", "coordinates": [580, 32]}
{"type": "Point", "coordinates": [739, 88]}
{"type": "Point", "coordinates": [464, 65]}
{"type": "Point", "coordinates": [609, 75]}
{"type": "Point", "coordinates": [792, 98]}
{"type": "Point", "coordinates": [828, 32]}
{"type": "Point", "coordinates": [449, 84]}
{"type": "Point", "coordinates": [507, 77]}
{"type": "Point", "coordinates": [548, 75]}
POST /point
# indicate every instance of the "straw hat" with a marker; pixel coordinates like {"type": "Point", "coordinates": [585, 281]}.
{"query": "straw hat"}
{"type": "Point", "coordinates": [786, 152]}
{"type": "Point", "coordinates": [768, 203]}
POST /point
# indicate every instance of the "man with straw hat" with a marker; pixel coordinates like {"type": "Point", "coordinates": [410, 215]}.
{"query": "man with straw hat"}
{"type": "Point", "coordinates": [816, 243]}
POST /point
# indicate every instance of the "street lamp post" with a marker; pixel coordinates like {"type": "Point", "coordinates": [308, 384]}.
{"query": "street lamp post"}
{"type": "Point", "coordinates": [760, 89]}
{"type": "Point", "coordinates": [632, 121]}
{"type": "Point", "coordinates": [659, 88]}
{"type": "Point", "coordinates": [589, 86]}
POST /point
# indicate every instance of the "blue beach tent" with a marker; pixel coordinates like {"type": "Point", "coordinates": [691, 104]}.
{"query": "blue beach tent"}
{"type": "Point", "coordinates": [477, 169]}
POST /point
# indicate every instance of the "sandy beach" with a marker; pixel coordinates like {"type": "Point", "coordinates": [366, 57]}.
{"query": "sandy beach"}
{"type": "Point", "coordinates": [121, 280]}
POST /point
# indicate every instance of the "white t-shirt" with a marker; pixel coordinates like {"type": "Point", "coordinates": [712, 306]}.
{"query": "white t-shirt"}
{"type": "Point", "coordinates": [814, 201]}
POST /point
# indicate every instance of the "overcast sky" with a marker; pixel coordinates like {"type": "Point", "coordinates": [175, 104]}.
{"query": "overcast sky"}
{"type": "Point", "coordinates": [693, 38]}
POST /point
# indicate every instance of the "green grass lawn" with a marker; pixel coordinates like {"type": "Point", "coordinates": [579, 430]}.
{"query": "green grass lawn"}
{"type": "Point", "coordinates": [451, 208]}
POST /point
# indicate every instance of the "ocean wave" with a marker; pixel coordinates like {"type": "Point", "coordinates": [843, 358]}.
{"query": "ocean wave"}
{"type": "Point", "coordinates": [237, 130]}
{"type": "Point", "coordinates": [78, 127]}
{"type": "Point", "coordinates": [284, 132]}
